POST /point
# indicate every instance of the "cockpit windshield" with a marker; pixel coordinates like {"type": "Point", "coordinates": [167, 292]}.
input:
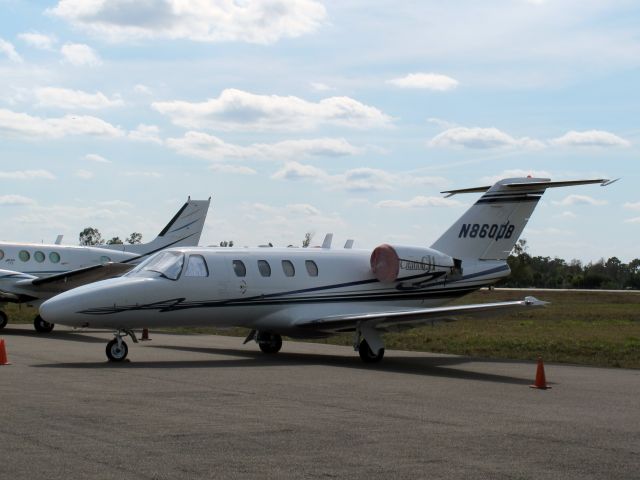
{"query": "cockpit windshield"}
{"type": "Point", "coordinates": [164, 264]}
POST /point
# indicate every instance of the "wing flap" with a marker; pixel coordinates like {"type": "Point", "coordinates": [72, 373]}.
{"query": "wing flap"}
{"type": "Point", "coordinates": [415, 317]}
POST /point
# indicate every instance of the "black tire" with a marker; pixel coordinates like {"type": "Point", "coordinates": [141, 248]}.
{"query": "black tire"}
{"type": "Point", "coordinates": [367, 355]}
{"type": "Point", "coordinates": [269, 342]}
{"type": "Point", "coordinates": [117, 353]}
{"type": "Point", "coordinates": [41, 326]}
{"type": "Point", "coordinates": [3, 319]}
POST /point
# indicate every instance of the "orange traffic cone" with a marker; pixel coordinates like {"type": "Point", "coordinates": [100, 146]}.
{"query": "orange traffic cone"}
{"type": "Point", "coordinates": [541, 381]}
{"type": "Point", "coordinates": [145, 334]}
{"type": "Point", "coordinates": [3, 353]}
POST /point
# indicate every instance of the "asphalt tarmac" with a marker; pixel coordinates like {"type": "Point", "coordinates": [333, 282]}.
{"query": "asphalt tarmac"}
{"type": "Point", "coordinates": [202, 406]}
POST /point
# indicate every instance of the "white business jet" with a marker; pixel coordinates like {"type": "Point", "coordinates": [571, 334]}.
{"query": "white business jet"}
{"type": "Point", "coordinates": [315, 292]}
{"type": "Point", "coordinates": [32, 272]}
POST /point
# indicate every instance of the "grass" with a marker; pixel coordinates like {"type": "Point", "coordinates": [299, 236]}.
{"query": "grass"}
{"type": "Point", "coordinates": [581, 327]}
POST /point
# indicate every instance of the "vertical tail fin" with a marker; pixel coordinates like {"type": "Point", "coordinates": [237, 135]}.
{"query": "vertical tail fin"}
{"type": "Point", "coordinates": [183, 230]}
{"type": "Point", "coordinates": [492, 226]}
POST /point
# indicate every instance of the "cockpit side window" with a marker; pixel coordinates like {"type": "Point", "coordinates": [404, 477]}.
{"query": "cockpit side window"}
{"type": "Point", "coordinates": [196, 267]}
{"type": "Point", "coordinates": [165, 264]}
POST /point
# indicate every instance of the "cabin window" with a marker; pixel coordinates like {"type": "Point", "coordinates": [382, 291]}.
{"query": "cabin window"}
{"type": "Point", "coordinates": [239, 268]}
{"type": "Point", "coordinates": [38, 256]}
{"type": "Point", "coordinates": [24, 255]}
{"type": "Point", "coordinates": [264, 268]}
{"type": "Point", "coordinates": [312, 268]}
{"type": "Point", "coordinates": [196, 267]}
{"type": "Point", "coordinates": [104, 259]}
{"type": "Point", "coordinates": [54, 257]}
{"type": "Point", "coordinates": [288, 268]}
{"type": "Point", "coordinates": [1, 254]}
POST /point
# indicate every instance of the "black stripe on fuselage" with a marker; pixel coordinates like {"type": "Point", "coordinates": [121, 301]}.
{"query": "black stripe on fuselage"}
{"type": "Point", "coordinates": [282, 298]}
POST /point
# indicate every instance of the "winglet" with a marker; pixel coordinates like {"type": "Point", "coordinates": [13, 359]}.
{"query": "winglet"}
{"type": "Point", "coordinates": [534, 302]}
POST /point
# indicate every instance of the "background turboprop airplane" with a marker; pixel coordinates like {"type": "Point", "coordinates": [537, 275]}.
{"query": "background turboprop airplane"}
{"type": "Point", "coordinates": [34, 272]}
{"type": "Point", "coordinates": [310, 293]}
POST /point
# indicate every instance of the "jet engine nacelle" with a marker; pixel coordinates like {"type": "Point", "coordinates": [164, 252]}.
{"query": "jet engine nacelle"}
{"type": "Point", "coordinates": [389, 262]}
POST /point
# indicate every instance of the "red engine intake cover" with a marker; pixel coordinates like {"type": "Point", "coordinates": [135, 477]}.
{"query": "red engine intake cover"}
{"type": "Point", "coordinates": [385, 263]}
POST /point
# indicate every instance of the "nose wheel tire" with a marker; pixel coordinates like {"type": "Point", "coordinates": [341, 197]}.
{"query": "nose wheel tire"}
{"type": "Point", "coordinates": [3, 319]}
{"type": "Point", "coordinates": [269, 342]}
{"type": "Point", "coordinates": [367, 355]}
{"type": "Point", "coordinates": [117, 352]}
{"type": "Point", "coordinates": [41, 326]}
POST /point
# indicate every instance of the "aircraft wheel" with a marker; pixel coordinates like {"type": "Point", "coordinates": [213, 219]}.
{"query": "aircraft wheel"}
{"type": "Point", "coordinates": [3, 319]}
{"type": "Point", "coordinates": [269, 342]}
{"type": "Point", "coordinates": [367, 355]}
{"type": "Point", "coordinates": [41, 326]}
{"type": "Point", "coordinates": [115, 352]}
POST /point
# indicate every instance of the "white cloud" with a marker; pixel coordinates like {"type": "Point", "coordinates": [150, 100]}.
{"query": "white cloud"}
{"type": "Point", "coordinates": [38, 40]}
{"type": "Point", "coordinates": [441, 123]}
{"type": "Point", "coordinates": [356, 179]}
{"type": "Point", "coordinates": [262, 22]}
{"type": "Point", "coordinates": [9, 50]}
{"type": "Point", "coordinates": [116, 204]}
{"type": "Point", "coordinates": [632, 205]}
{"type": "Point", "coordinates": [142, 174]}
{"type": "Point", "coordinates": [590, 138]}
{"type": "Point", "coordinates": [25, 125]}
{"type": "Point", "coordinates": [320, 87]}
{"type": "Point", "coordinates": [209, 147]}
{"type": "Point", "coordinates": [575, 199]}
{"type": "Point", "coordinates": [428, 81]}
{"type": "Point", "coordinates": [79, 54]}
{"type": "Point", "coordinates": [628, 220]}
{"type": "Point", "coordinates": [233, 169]}
{"type": "Point", "coordinates": [15, 200]}
{"type": "Point", "coordinates": [143, 89]}
{"type": "Point", "coordinates": [146, 133]}
{"type": "Point", "coordinates": [94, 157]}
{"type": "Point", "coordinates": [27, 175]}
{"type": "Point", "coordinates": [298, 171]}
{"type": "Point", "coordinates": [74, 99]}
{"type": "Point", "coordinates": [239, 110]}
{"type": "Point", "coordinates": [566, 215]}
{"type": "Point", "coordinates": [419, 202]}
{"type": "Point", "coordinates": [481, 138]}
{"type": "Point", "coordinates": [84, 174]}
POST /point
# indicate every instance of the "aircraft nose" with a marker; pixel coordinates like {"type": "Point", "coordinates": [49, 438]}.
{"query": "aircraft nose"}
{"type": "Point", "coordinates": [59, 309]}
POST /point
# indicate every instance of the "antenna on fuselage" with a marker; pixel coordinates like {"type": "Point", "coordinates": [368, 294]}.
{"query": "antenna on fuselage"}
{"type": "Point", "coordinates": [328, 238]}
{"type": "Point", "coordinates": [349, 244]}
{"type": "Point", "coordinates": [59, 239]}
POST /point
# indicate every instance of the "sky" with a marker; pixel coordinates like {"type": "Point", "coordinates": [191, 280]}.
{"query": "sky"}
{"type": "Point", "coordinates": [317, 116]}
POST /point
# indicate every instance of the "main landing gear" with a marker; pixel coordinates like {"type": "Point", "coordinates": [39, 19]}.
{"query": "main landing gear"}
{"type": "Point", "coordinates": [41, 326]}
{"type": "Point", "coordinates": [368, 343]}
{"type": "Point", "coordinates": [117, 348]}
{"type": "Point", "coordinates": [269, 342]}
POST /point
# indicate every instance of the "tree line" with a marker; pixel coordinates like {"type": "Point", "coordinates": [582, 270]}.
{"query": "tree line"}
{"type": "Point", "coordinates": [546, 272]}
{"type": "Point", "coordinates": [92, 236]}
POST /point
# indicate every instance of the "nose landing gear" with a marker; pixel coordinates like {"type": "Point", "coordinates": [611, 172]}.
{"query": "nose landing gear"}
{"type": "Point", "coordinates": [117, 348]}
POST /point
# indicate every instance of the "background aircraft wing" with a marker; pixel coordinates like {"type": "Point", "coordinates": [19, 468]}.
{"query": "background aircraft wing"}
{"type": "Point", "coordinates": [73, 278]}
{"type": "Point", "coordinates": [409, 318]}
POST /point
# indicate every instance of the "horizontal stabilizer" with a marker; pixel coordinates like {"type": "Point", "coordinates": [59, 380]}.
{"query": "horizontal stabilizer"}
{"type": "Point", "coordinates": [545, 183]}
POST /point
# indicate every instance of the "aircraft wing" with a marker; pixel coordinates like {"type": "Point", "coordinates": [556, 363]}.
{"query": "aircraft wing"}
{"type": "Point", "coordinates": [75, 278]}
{"type": "Point", "coordinates": [18, 287]}
{"type": "Point", "coordinates": [409, 318]}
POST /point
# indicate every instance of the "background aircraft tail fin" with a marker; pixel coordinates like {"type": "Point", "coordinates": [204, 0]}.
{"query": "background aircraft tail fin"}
{"type": "Point", "coordinates": [183, 230]}
{"type": "Point", "coordinates": [491, 227]}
